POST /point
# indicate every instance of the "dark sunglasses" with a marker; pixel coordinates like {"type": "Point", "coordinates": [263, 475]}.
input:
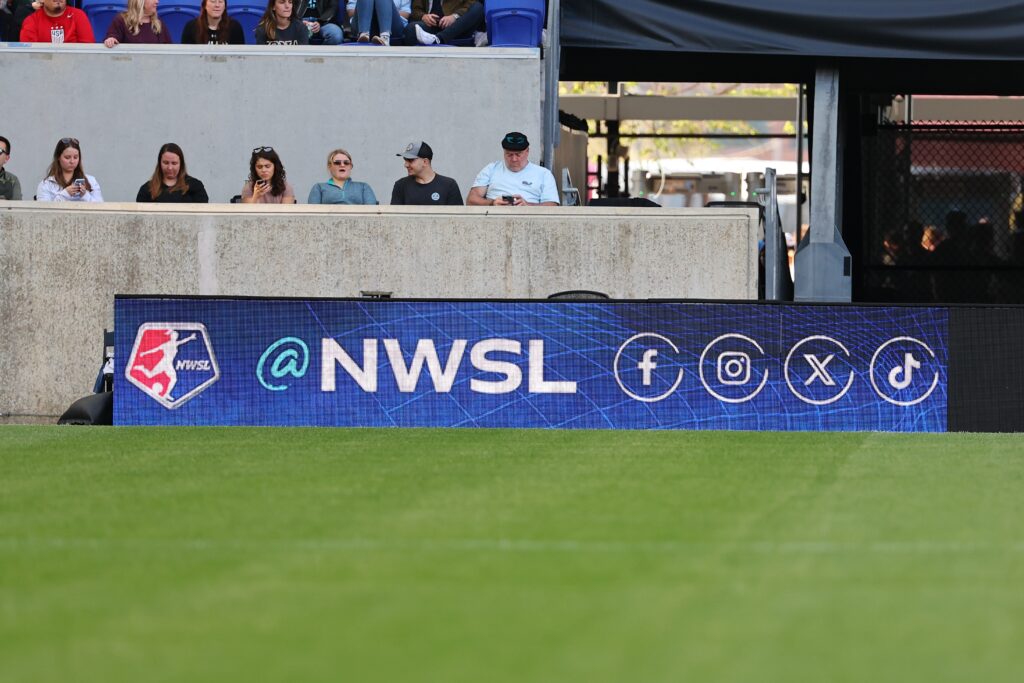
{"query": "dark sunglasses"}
{"type": "Point", "coordinates": [69, 141]}
{"type": "Point", "coordinates": [3, 151]}
{"type": "Point", "coordinates": [341, 162]}
{"type": "Point", "coordinates": [515, 139]}
{"type": "Point", "coordinates": [257, 150]}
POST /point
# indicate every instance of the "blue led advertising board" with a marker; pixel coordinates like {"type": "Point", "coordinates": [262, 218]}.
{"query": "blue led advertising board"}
{"type": "Point", "coordinates": [539, 364]}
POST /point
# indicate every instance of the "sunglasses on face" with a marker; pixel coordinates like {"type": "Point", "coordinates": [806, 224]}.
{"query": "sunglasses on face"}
{"type": "Point", "coordinates": [3, 151]}
{"type": "Point", "coordinates": [341, 162]}
{"type": "Point", "coordinates": [257, 150]}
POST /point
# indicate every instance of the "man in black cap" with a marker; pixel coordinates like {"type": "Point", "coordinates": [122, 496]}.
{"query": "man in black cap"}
{"type": "Point", "coordinates": [514, 181]}
{"type": "Point", "coordinates": [422, 186]}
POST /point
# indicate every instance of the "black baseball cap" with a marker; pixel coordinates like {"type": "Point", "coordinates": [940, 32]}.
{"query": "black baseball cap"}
{"type": "Point", "coordinates": [514, 142]}
{"type": "Point", "coordinates": [417, 150]}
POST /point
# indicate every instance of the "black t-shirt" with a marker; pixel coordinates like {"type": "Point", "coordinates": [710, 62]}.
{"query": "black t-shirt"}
{"type": "Point", "coordinates": [441, 191]}
{"type": "Point", "coordinates": [233, 35]}
{"type": "Point", "coordinates": [295, 34]}
{"type": "Point", "coordinates": [196, 194]}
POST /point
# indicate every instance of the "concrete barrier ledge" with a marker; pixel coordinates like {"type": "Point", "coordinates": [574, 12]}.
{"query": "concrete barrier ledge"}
{"type": "Point", "coordinates": [63, 264]}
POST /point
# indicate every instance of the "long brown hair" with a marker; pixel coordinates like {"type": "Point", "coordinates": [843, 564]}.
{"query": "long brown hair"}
{"type": "Point", "coordinates": [57, 173]}
{"type": "Point", "coordinates": [156, 183]}
{"type": "Point", "coordinates": [277, 181]}
{"type": "Point", "coordinates": [203, 26]}
{"type": "Point", "coordinates": [268, 22]}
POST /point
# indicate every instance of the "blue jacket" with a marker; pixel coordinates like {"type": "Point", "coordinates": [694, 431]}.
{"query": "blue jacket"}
{"type": "Point", "coordinates": [353, 192]}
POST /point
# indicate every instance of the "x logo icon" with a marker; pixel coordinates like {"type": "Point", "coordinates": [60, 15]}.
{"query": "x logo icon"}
{"type": "Point", "coordinates": [820, 372]}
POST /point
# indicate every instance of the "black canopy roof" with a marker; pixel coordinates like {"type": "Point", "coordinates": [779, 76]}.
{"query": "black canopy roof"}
{"type": "Point", "coordinates": [901, 45]}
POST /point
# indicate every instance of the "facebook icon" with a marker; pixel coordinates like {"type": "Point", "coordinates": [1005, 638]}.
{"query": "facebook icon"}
{"type": "Point", "coordinates": [647, 367]}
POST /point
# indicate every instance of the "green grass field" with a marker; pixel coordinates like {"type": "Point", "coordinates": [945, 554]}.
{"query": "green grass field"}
{"type": "Point", "coordinates": [476, 555]}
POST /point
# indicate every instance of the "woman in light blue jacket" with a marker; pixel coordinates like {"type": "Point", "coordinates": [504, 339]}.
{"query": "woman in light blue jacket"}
{"type": "Point", "coordinates": [341, 189]}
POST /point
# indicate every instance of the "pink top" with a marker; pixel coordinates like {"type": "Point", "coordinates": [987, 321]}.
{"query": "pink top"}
{"type": "Point", "coordinates": [268, 198]}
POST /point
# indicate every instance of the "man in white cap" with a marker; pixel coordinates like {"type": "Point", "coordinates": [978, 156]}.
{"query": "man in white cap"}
{"type": "Point", "coordinates": [422, 186]}
{"type": "Point", "coordinates": [514, 181]}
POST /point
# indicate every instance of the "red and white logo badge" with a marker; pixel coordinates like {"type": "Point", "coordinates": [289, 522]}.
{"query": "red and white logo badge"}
{"type": "Point", "coordinates": [172, 362]}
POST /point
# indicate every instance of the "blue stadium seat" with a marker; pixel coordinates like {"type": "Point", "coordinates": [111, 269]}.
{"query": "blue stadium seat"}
{"type": "Point", "coordinates": [515, 23]}
{"type": "Point", "coordinates": [176, 15]}
{"type": "Point", "coordinates": [101, 13]}
{"type": "Point", "coordinates": [247, 14]}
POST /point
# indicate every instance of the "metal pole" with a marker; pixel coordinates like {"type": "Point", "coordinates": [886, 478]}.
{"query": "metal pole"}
{"type": "Point", "coordinates": [799, 158]}
{"type": "Point", "coordinates": [552, 59]}
{"type": "Point", "coordinates": [612, 141]}
{"type": "Point", "coordinates": [772, 237]}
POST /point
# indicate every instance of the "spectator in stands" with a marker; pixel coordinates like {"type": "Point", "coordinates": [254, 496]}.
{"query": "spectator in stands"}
{"type": "Point", "coordinates": [514, 181]}
{"type": "Point", "coordinates": [66, 179]}
{"type": "Point", "coordinates": [422, 186]}
{"type": "Point", "coordinates": [55, 22]}
{"type": "Point", "coordinates": [138, 24]}
{"type": "Point", "coordinates": [340, 188]}
{"type": "Point", "coordinates": [277, 26]}
{"type": "Point", "coordinates": [317, 15]}
{"type": "Point", "coordinates": [435, 22]}
{"type": "Point", "coordinates": [378, 20]}
{"type": "Point", "coordinates": [170, 182]}
{"type": "Point", "coordinates": [13, 16]}
{"type": "Point", "coordinates": [267, 183]}
{"type": "Point", "coordinates": [213, 27]}
{"type": "Point", "coordinates": [10, 187]}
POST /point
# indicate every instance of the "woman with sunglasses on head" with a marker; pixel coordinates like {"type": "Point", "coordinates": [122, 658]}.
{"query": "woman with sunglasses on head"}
{"type": "Point", "coordinates": [138, 24]}
{"type": "Point", "coordinates": [279, 27]}
{"type": "Point", "coordinates": [213, 27]}
{"type": "Point", "coordinates": [267, 182]}
{"type": "Point", "coordinates": [170, 182]}
{"type": "Point", "coordinates": [66, 180]}
{"type": "Point", "coordinates": [340, 188]}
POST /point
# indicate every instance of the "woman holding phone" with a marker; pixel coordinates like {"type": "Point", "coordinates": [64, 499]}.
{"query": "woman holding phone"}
{"type": "Point", "coordinates": [66, 180]}
{"type": "Point", "coordinates": [340, 188]}
{"type": "Point", "coordinates": [267, 182]}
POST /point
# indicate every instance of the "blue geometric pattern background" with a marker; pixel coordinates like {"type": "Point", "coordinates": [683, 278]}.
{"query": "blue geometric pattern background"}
{"type": "Point", "coordinates": [601, 365]}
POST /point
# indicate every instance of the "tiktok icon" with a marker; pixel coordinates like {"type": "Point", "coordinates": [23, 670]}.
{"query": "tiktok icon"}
{"type": "Point", "coordinates": [904, 371]}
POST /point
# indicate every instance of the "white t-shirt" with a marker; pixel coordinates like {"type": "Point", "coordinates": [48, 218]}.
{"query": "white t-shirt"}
{"type": "Point", "coordinates": [535, 183]}
{"type": "Point", "coordinates": [51, 191]}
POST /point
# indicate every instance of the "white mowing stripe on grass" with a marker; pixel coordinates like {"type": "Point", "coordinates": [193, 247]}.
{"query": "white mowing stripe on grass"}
{"type": "Point", "coordinates": [506, 545]}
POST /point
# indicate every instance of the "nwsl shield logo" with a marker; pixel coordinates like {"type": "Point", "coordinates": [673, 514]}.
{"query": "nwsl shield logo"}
{"type": "Point", "coordinates": [172, 362]}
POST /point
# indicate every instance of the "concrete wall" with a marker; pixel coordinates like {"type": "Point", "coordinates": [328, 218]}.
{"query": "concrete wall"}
{"type": "Point", "coordinates": [61, 267]}
{"type": "Point", "coordinates": [219, 103]}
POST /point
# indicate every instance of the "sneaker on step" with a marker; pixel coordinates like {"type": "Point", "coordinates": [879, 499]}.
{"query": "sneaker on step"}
{"type": "Point", "coordinates": [425, 37]}
{"type": "Point", "coordinates": [383, 39]}
{"type": "Point", "coordinates": [363, 38]}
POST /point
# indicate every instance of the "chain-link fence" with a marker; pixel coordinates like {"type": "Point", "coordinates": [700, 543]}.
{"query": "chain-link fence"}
{"type": "Point", "coordinates": [943, 213]}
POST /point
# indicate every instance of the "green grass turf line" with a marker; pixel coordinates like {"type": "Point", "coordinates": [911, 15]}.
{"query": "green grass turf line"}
{"type": "Point", "coordinates": [138, 554]}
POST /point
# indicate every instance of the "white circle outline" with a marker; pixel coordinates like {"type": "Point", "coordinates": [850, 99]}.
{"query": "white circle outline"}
{"type": "Point", "coordinates": [874, 385]}
{"type": "Point", "coordinates": [785, 372]}
{"type": "Point", "coordinates": [615, 368]}
{"type": "Point", "coordinates": [700, 369]}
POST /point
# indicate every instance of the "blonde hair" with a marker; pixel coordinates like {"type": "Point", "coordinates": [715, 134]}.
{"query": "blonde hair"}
{"type": "Point", "coordinates": [133, 18]}
{"type": "Point", "coordinates": [330, 157]}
